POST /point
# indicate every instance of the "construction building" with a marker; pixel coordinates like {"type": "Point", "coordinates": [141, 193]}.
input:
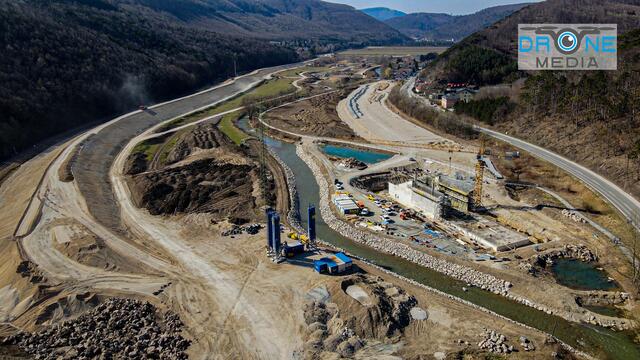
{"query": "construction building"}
{"type": "Point", "coordinates": [490, 235]}
{"type": "Point", "coordinates": [420, 195]}
{"type": "Point", "coordinates": [346, 205]}
{"type": "Point", "coordinates": [458, 192]}
{"type": "Point", "coordinates": [333, 264]}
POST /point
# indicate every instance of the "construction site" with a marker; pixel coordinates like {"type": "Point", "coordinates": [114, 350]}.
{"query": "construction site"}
{"type": "Point", "coordinates": [377, 236]}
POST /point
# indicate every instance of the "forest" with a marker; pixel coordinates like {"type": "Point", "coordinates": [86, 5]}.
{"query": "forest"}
{"type": "Point", "coordinates": [65, 64]}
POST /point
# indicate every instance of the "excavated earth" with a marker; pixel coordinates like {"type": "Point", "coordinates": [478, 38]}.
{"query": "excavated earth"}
{"type": "Point", "coordinates": [316, 116]}
{"type": "Point", "coordinates": [361, 312]}
{"type": "Point", "coordinates": [202, 173]}
{"type": "Point", "coordinates": [115, 329]}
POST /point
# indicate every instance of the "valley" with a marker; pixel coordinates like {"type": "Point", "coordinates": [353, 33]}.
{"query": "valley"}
{"type": "Point", "coordinates": [360, 192]}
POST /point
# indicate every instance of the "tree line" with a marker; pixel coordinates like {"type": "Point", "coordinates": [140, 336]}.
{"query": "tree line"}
{"type": "Point", "coordinates": [65, 64]}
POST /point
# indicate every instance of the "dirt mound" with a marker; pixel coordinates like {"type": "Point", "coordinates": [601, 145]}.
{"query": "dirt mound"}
{"type": "Point", "coordinates": [79, 243]}
{"type": "Point", "coordinates": [388, 310]}
{"type": "Point", "coordinates": [363, 311]}
{"type": "Point", "coordinates": [118, 328]}
{"type": "Point", "coordinates": [316, 116]}
{"type": "Point", "coordinates": [67, 307]}
{"type": "Point", "coordinates": [136, 163]}
{"type": "Point", "coordinates": [201, 186]}
{"type": "Point", "coordinates": [202, 137]}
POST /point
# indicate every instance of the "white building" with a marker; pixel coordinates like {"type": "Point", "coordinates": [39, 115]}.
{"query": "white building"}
{"type": "Point", "coordinates": [426, 201]}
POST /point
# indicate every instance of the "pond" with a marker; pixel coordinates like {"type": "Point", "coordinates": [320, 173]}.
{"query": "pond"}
{"type": "Point", "coordinates": [601, 342]}
{"type": "Point", "coordinates": [580, 275]}
{"type": "Point", "coordinates": [366, 156]}
{"type": "Point", "coordinates": [605, 310]}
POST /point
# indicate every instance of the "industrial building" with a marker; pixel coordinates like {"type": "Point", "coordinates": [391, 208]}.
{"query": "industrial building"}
{"type": "Point", "coordinates": [419, 196]}
{"type": "Point", "coordinates": [490, 234]}
{"type": "Point", "coordinates": [346, 205]}
{"type": "Point", "coordinates": [433, 195]}
{"type": "Point", "coordinates": [333, 264]}
{"type": "Point", "coordinates": [457, 191]}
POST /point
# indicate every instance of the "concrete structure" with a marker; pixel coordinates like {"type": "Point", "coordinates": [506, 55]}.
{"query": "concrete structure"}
{"type": "Point", "coordinates": [490, 234]}
{"type": "Point", "coordinates": [457, 191]}
{"type": "Point", "coordinates": [346, 205]}
{"type": "Point", "coordinates": [418, 196]}
{"type": "Point", "coordinates": [311, 223]}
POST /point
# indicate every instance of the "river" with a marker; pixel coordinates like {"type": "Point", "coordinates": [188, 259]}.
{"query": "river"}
{"type": "Point", "coordinates": [598, 341]}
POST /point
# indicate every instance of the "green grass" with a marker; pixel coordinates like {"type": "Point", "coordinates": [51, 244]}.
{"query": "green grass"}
{"type": "Point", "coordinates": [148, 148]}
{"type": "Point", "coordinates": [269, 88]}
{"type": "Point", "coordinates": [228, 127]}
{"type": "Point", "coordinates": [169, 145]}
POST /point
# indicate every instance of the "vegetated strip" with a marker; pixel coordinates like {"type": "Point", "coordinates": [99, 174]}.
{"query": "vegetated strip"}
{"type": "Point", "coordinates": [269, 88]}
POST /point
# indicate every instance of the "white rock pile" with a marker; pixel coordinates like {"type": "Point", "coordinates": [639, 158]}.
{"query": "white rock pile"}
{"type": "Point", "coordinates": [526, 344]}
{"type": "Point", "coordinates": [495, 343]}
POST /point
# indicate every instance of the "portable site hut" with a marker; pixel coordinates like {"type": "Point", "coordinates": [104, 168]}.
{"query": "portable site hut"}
{"type": "Point", "coordinates": [333, 264]}
{"type": "Point", "coordinates": [293, 248]}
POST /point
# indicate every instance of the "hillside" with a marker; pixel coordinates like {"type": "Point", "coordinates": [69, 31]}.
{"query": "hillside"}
{"type": "Point", "coordinates": [432, 26]}
{"type": "Point", "coordinates": [301, 20]}
{"type": "Point", "coordinates": [66, 63]}
{"type": "Point", "coordinates": [588, 116]}
{"type": "Point", "coordinates": [382, 13]}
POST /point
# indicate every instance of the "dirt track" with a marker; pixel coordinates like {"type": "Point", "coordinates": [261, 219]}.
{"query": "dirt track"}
{"type": "Point", "coordinates": [92, 166]}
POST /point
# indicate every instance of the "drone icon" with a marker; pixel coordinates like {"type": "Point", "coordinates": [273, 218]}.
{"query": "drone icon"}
{"type": "Point", "coordinates": [567, 40]}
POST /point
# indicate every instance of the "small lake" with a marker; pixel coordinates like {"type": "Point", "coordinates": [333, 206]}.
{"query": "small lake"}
{"type": "Point", "coordinates": [580, 275]}
{"type": "Point", "coordinates": [366, 156]}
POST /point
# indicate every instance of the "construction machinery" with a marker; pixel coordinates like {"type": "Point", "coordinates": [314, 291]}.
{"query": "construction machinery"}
{"type": "Point", "coordinates": [479, 180]}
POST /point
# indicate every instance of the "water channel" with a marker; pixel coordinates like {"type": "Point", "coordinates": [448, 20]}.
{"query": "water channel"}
{"type": "Point", "coordinates": [598, 341]}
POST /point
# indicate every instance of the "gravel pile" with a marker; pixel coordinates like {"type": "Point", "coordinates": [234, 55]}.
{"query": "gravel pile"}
{"type": "Point", "coordinates": [237, 230]}
{"type": "Point", "coordinates": [116, 329]}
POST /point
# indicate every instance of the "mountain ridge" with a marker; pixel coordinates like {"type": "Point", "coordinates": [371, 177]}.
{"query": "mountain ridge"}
{"type": "Point", "coordinates": [383, 13]}
{"type": "Point", "coordinates": [440, 26]}
{"type": "Point", "coordinates": [590, 117]}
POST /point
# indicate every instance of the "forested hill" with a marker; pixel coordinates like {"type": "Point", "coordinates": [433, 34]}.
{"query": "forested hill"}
{"type": "Point", "coordinates": [274, 19]}
{"type": "Point", "coordinates": [592, 117]}
{"type": "Point", "coordinates": [382, 13]}
{"type": "Point", "coordinates": [434, 26]}
{"type": "Point", "coordinates": [65, 63]}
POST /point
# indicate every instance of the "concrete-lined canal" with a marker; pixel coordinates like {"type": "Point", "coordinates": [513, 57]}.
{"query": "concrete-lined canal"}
{"type": "Point", "coordinates": [601, 342]}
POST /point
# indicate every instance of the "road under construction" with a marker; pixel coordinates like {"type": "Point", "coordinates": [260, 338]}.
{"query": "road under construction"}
{"type": "Point", "coordinates": [229, 298]}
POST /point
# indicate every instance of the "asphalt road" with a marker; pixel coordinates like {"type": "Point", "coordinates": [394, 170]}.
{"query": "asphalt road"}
{"type": "Point", "coordinates": [91, 168]}
{"type": "Point", "coordinates": [624, 202]}
{"type": "Point", "coordinates": [621, 200]}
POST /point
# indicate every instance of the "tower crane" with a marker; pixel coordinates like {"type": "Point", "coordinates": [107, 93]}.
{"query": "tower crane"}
{"type": "Point", "coordinates": [480, 165]}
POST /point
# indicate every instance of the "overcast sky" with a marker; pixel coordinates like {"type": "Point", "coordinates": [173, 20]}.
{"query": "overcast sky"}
{"type": "Point", "coordinates": [437, 6]}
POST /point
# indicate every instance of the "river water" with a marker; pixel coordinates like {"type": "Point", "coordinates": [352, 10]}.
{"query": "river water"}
{"type": "Point", "coordinates": [600, 342]}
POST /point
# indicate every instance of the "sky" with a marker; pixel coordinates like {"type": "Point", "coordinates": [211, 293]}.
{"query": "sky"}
{"type": "Point", "coordinates": [455, 7]}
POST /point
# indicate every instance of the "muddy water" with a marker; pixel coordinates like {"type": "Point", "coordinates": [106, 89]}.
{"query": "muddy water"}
{"type": "Point", "coordinates": [580, 275]}
{"type": "Point", "coordinates": [600, 342]}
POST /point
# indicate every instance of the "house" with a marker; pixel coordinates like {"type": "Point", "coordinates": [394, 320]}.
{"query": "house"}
{"type": "Point", "coordinates": [466, 94]}
{"type": "Point", "coordinates": [449, 101]}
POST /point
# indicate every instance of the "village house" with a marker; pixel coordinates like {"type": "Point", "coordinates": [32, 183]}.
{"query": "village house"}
{"type": "Point", "coordinates": [449, 101]}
